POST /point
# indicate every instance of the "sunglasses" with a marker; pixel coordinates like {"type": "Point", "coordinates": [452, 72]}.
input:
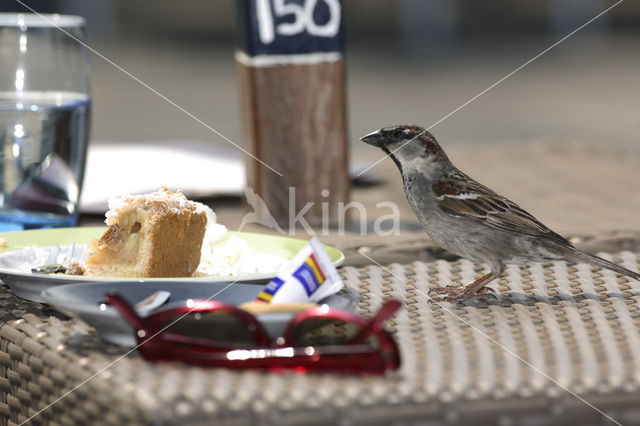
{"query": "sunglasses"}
{"type": "Point", "coordinates": [215, 334]}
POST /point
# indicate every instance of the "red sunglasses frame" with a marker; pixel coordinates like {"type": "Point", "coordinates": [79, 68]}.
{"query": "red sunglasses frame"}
{"type": "Point", "coordinates": [353, 356]}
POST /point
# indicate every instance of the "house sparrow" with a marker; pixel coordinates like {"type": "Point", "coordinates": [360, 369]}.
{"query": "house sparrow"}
{"type": "Point", "coordinates": [469, 219]}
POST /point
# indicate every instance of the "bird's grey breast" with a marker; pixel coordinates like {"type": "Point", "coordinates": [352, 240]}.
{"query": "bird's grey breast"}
{"type": "Point", "coordinates": [419, 194]}
{"type": "Point", "coordinates": [441, 227]}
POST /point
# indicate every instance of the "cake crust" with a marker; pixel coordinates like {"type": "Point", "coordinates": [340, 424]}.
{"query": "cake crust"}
{"type": "Point", "coordinates": [153, 235]}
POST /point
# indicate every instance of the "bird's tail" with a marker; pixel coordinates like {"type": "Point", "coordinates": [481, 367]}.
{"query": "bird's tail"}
{"type": "Point", "coordinates": [580, 256]}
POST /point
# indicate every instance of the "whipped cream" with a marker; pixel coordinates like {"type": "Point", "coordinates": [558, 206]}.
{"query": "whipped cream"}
{"type": "Point", "coordinates": [235, 257]}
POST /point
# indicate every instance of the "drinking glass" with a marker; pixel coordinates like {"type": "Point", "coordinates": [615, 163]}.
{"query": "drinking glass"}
{"type": "Point", "coordinates": [44, 119]}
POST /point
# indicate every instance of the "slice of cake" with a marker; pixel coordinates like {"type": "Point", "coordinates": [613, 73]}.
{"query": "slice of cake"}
{"type": "Point", "coordinates": [152, 235]}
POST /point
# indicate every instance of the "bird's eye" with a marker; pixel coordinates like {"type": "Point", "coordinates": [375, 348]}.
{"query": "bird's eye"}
{"type": "Point", "coordinates": [397, 134]}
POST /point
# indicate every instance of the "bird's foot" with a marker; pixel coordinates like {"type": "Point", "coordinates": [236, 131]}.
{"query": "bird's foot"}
{"type": "Point", "coordinates": [452, 294]}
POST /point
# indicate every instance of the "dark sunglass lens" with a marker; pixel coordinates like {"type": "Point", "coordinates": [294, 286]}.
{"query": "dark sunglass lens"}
{"type": "Point", "coordinates": [218, 326]}
{"type": "Point", "coordinates": [323, 332]}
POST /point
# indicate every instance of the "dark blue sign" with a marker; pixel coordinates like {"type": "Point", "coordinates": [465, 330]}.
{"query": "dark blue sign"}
{"type": "Point", "coordinates": [286, 27]}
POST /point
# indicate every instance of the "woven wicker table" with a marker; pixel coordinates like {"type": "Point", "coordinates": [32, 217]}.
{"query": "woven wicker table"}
{"type": "Point", "coordinates": [561, 343]}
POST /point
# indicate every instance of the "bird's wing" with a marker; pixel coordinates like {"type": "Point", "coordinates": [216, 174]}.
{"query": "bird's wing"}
{"type": "Point", "coordinates": [461, 196]}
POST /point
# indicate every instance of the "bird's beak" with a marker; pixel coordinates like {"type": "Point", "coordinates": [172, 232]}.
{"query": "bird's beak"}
{"type": "Point", "coordinates": [375, 139]}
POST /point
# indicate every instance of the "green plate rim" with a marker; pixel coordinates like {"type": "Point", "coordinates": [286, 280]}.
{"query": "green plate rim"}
{"type": "Point", "coordinates": [18, 240]}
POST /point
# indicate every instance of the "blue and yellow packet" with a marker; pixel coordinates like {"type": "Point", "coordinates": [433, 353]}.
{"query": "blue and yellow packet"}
{"type": "Point", "coordinates": [309, 277]}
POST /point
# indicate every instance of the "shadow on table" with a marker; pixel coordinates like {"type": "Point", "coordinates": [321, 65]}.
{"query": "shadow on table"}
{"type": "Point", "coordinates": [513, 298]}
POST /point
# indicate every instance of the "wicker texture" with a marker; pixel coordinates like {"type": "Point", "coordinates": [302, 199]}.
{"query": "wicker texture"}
{"type": "Point", "coordinates": [578, 325]}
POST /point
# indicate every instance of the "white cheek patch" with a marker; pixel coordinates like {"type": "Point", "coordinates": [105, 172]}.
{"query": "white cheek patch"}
{"type": "Point", "coordinates": [421, 165]}
{"type": "Point", "coordinates": [414, 163]}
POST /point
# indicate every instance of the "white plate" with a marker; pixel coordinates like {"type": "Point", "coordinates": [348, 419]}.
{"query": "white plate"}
{"type": "Point", "coordinates": [28, 249]}
{"type": "Point", "coordinates": [83, 301]}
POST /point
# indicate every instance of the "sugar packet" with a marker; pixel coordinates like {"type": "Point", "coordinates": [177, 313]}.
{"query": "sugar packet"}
{"type": "Point", "coordinates": [309, 277]}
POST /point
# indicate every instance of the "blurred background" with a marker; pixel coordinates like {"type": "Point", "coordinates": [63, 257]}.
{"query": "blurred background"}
{"type": "Point", "coordinates": [409, 61]}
